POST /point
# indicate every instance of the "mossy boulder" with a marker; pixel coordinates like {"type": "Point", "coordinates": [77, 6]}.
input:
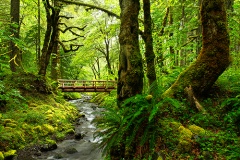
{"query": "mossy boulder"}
{"type": "Point", "coordinates": [48, 145]}
{"type": "Point", "coordinates": [185, 139]}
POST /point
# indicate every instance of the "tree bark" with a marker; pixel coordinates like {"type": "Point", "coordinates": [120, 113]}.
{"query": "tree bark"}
{"type": "Point", "coordinates": [130, 73]}
{"type": "Point", "coordinates": [214, 56]}
{"type": "Point", "coordinates": [174, 57]}
{"type": "Point", "coordinates": [159, 44]}
{"type": "Point", "coordinates": [107, 56]}
{"type": "Point", "coordinates": [15, 54]}
{"type": "Point", "coordinates": [55, 72]}
{"type": "Point", "coordinates": [229, 4]}
{"type": "Point", "coordinates": [149, 53]}
{"type": "Point", "coordinates": [38, 44]}
{"type": "Point", "coordinates": [50, 36]}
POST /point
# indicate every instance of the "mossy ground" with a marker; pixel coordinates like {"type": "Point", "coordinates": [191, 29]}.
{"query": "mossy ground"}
{"type": "Point", "coordinates": [31, 118]}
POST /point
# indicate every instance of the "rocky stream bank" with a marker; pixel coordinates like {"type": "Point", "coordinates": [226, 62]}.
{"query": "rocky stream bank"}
{"type": "Point", "coordinates": [79, 145]}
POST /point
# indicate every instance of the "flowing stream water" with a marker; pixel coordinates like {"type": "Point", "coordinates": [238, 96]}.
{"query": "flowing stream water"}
{"type": "Point", "coordinates": [85, 148]}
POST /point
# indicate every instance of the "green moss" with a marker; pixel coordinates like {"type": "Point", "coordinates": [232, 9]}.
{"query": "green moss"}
{"type": "Point", "coordinates": [70, 131]}
{"type": "Point", "coordinates": [184, 132]}
{"type": "Point", "coordinates": [149, 97]}
{"type": "Point", "coordinates": [50, 141]}
{"type": "Point", "coordinates": [48, 128]}
{"type": "Point", "coordinates": [49, 112]}
{"type": "Point", "coordinates": [37, 128]}
{"type": "Point", "coordinates": [60, 135]}
{"type": "Point", "coordinates": [49, 116]}
{"type": "Point", "coordinates": [12, 125]}
{"type": "Point", "coordinates": [10, 153]}
{"type": "Point", "coordinates": [1, 156]}
{"type": "Point", "coordinates": [5, 121]}
{"type": "Point", "coordinates": [185, 142]}
{"type": "Point", "coordinates": [160, 158]}
{"type": "Point", "coordinates": [33, 105]}
{"type": "Point", "coordinates": [175, 125]}
{"type": "Point", "coordinates": [185, 145]}
{"type": "Point", "coordinates": [8, 128]}
{"type": "Point", "coordinates": [197, 130]}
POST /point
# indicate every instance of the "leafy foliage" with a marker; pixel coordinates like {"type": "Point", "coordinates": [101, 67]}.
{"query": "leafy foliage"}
{"type": "Point", "coordinates": [12, 97]}
{"type": "Point", "coordinates": [134, 125]}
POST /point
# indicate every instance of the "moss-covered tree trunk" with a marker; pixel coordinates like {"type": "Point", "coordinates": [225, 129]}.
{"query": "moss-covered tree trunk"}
{"type": "Point", "coordinates": [55, 72]}
{"type": "Point", "coordinates": [15, 54]}
{"type": "Point", "coordinates": [149, 53]}
{"type": "Point", "coordinates": [214, 56]}
{"type": "Point", "coordinates": [130, 73]}
{"type": "Point", "coordinates": [52, 15]}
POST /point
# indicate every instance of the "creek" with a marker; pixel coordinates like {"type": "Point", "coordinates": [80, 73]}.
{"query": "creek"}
{"type": "Point", "coordinates": [84, 148]}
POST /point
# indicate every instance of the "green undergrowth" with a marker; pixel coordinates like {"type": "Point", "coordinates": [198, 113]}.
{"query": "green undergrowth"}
{"type": "Point", "coordinates": [105, 99]}
{"type": "Point", "coordinates": [144, 127]}
{"type": "Point", "coordinates": [30, 118]}
{"type": "Point", "coordinates": [71, 95]}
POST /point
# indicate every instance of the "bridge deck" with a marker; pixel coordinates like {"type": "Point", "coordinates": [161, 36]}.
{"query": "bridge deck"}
{"type": "Point", "coordinates": [86, 86]}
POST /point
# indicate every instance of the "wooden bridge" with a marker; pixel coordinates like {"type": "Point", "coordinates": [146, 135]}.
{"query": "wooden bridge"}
{"type": "Point", "coordinates": [86, 86]}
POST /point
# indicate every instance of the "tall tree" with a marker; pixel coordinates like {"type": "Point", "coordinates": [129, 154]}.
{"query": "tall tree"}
{"type": "Point", "coordinates": [214, 56]}
{"type": "Point", "coordinates": [38, 40]}
{"type": "Point", "coordinates": [55, 72]}
{"type": "Point", "coordinates": [52, 15]}
{"type": "Point", "coordinates": [15, 56]}
{"type": "Point", "coordinates": [130, 73]}
{"type": "Point", "coordinates": [149, 53]}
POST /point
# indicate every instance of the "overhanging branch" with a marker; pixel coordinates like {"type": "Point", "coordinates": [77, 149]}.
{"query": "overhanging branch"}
{"type": "Point", "coordinates": [73, 47]}
{"type": "Point", "coordinates": [92, 7]}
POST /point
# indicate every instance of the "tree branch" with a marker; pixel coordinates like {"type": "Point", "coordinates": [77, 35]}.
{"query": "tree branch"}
{"type": "Point", "coordinates": [92, 7]}
{"type": "Point", "coordinates": [73, 39]}
{"type": "Point", "coordinates": [70, 28]}
{"type": "Point", "coordinates": [72, 49]}
{"type": "Point", "coordinates": [65, 17]}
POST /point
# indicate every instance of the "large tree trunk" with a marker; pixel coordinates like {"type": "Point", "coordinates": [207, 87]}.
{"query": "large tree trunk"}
{"type": "Point", "coordinates": [55, 72]}
{"type": "Point", "coordinates": [130, 73]}
{"type": "Point", "coordinates": [149, 54]}
{"type": "Point", "coordinates": [38, 43]}
{"type": "Point", "coordinates": [214, 56]}
{"type": "Point", "coordinates": [15, 57]}
{"type": "Point", "coordinates": [50, 36]}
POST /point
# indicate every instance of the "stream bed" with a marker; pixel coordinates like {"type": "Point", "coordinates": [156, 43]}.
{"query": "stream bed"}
{"type": "Point", "coordinates": [84, 148]}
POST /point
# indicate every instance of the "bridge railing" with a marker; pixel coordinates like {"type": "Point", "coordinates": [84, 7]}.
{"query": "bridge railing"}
{"type": "Point", "coordinates": [64, 83]}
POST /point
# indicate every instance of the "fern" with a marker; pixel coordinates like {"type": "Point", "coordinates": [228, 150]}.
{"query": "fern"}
{"type": "Point", "coordinates": [134, 124]}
